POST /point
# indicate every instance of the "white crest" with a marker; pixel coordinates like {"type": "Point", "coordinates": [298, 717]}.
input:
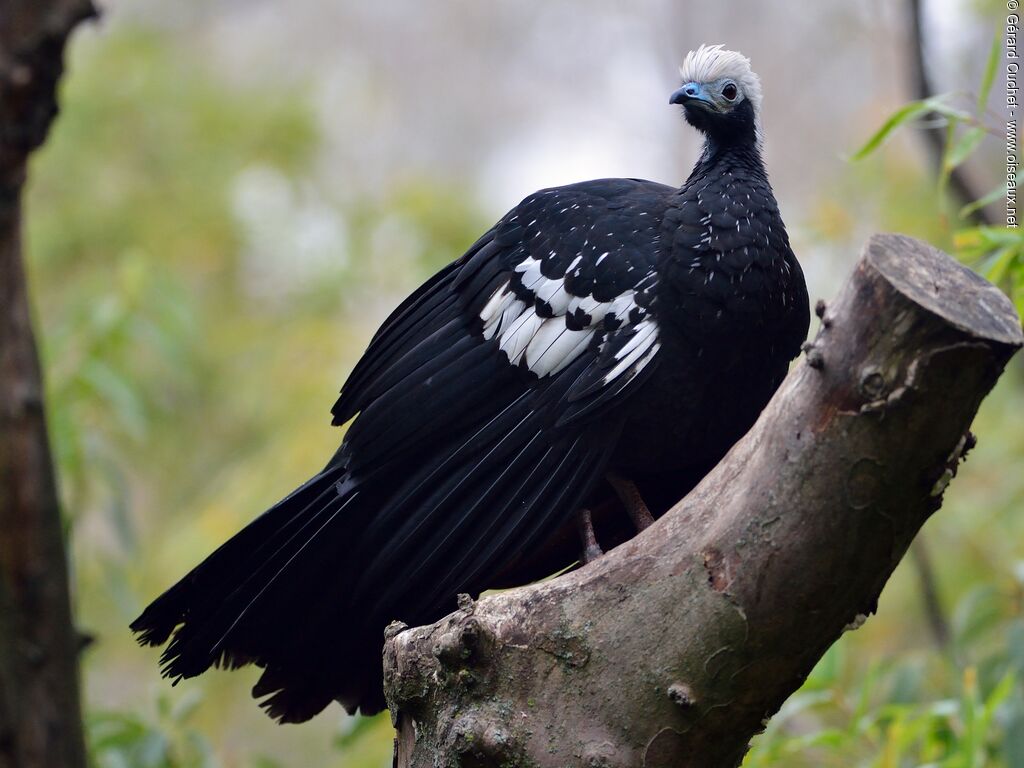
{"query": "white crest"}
{"type": "Point", "coordinates": [712, 62]}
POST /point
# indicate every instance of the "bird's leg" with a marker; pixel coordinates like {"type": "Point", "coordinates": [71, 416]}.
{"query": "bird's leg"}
{"type": "Point", "coordinates": [631, 499]}
{"type": "Point", "coordinates": [591, 549]}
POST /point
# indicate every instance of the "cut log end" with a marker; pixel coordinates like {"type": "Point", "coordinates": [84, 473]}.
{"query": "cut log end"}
{"type": "Point", "coordinates": [938, 283]}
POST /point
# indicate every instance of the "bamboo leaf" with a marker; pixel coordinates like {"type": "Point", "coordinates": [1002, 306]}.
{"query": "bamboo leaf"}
{"type": "Point", "coordinates": [981, 202]}
{"type": "Point", "coordinates": [904, 114]}
{"type": "Point", "coordinates": [938, 105]}
{"type": "Point", "coordinates": [989, 77]}
{"type": "Point", "coordinates": [963, 147]}
{"type": "Point", "coordinates": [998, 695]}
{"type": "Point", "coordinates": [998, 264]}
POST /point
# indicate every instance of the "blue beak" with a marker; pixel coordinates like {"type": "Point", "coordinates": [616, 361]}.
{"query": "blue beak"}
{"type": "Point", "coordinates": [690, 92]}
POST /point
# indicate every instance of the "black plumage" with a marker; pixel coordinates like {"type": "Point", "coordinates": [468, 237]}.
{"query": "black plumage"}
{"type": "Point", "coordinates": [616, 325]}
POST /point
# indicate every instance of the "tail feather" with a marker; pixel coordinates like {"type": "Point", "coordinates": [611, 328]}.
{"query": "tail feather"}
{"type": "Point", "coordinates": [203, 614]}
{"type": "Point", "coordinates": [306, 590]}
{"type": "Point", "coordinates": [156, 624]}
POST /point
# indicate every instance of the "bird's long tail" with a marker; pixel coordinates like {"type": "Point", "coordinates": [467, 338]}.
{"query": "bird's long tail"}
{"type": "Point", "coordinates": [248, 601]}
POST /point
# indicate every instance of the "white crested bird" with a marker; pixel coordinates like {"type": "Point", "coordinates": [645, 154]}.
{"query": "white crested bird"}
{"type": "Point", "coordinates": [586, 361]}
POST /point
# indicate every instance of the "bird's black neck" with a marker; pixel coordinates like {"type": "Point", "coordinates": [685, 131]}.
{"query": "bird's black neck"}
{"type": "Point", "coordinates": [717, 155]}
{"type": "Point", "coordinates": [734, 132]}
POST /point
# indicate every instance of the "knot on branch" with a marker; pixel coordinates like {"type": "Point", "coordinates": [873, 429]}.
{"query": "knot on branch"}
{"type": "Point", "coordinates": [462, 652]}
{"type": "Point", "coordinates": [681, 695]}
{"type": "Point", "coordinates": [821, 310]}
{"type": "Point", "coordinates": [812, 352]}
{"type": "Point", "coordinates": [864, 483]}
{"type": "Point", "coordinates": [482, 743]}
{"type": "Point", "coordinates": [717, 569]}
{"type": "Point", "coordinates": [880, 389]}
{"type": "Point", "coordinates": [812, 349]}
{"type": "Point", "coordinates": [872, 383]}
{"type": "Point", "coordinates": [417, 661]}
{"type": "Point", "coordinates": [456, 646]}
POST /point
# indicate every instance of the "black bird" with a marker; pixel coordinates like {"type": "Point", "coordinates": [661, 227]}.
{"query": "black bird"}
{"type": "Point", "coordinates": [607, 339]}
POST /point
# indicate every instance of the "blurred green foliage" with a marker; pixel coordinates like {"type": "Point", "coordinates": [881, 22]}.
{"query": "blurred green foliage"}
{"type": "Point", "coordinates": [195, 332]}
{"type": "Point", "coordinates": [997, 252]}
{"type": "Point", "coordinates": [194, 336]}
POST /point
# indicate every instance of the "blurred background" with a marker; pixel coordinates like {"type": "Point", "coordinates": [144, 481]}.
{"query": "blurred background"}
{"type": "Point", "coordinates": [237, 193]}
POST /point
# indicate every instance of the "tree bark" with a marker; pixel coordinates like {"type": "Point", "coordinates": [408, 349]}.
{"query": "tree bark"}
{"type": "Point", "coordinates": [674, 648]}
{"type": "Point", "coordinates": [40, 713]}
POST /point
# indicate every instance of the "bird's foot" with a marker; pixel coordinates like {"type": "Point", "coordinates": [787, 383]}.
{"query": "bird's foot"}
{"type": "Point", "coordinates": [591, 549]}
{"type": "Point", "coordinates": [631, 499]}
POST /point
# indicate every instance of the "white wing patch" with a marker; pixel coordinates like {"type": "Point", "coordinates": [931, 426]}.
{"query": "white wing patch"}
{"type": "Point", "coordinates": [546, 345]}
{"type": "Point", "coordinates": [636, 352]}
{"type": "Point", "coordinates": [555, 346]}
{"type": "Point", "coordinates": [496, 305]}
{"type": "Point", "coordinates": [520, 333]}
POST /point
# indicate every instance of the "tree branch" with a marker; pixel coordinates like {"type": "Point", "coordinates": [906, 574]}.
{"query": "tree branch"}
{"type": "Point", "coordinates": [40, 713]}
{"type": "Point", "coordinates": [674, 648]}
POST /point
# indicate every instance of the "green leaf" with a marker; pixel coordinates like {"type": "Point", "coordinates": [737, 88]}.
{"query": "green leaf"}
{"type": "Point", "coordinates": [981, 202]}
{"type": "Point", "coordinates": [997, 265]}
{"type": "Point", "coordinates": [963, 147]}
{"type": "Point", "coordinates": [989, 77]}
{"type": "Point", "coordinates": [973, 243]}
{"type": "Point", "coordinates": [119, 394]}
{"type": "Point", "coordinates": [939, 105]}
{"type": "Point", "coordinates": [904, 114]}
{"type": "Point", "coordinates": [946, 167]}
{"type": "Point", "coordinates": [998, 695]}
{"type": "Point", "coordinates": [1014, 739]}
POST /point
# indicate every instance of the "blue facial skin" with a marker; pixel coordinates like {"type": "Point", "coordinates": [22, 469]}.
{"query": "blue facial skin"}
{"type": "Point", "coordinates": [708, 95]}
{"type": "Point", "coordinates": [690, 92]}
{"type": "Point", "coordinates": [719, 111]}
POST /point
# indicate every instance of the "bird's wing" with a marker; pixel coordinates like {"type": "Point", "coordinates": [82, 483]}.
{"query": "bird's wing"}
{"type": "Point", "coordinates": [580, 284]}
{"type": "Point", "coordinates": [478, 401]}
{"type": "Point", "coordinates": [568, 273]}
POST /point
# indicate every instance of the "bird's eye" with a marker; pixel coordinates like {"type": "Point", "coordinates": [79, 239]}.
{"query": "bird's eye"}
{"type": "Point", "coordinates": [729, 91]}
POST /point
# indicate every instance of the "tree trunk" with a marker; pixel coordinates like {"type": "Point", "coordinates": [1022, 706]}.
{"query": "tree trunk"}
{"type": "Point", "coordinates": [40, 713]}
{"type": "Point", "coordinates": [674, 648]}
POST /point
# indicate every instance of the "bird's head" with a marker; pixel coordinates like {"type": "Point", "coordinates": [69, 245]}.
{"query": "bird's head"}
{"type": "Point", "coordinates": [720, 96]}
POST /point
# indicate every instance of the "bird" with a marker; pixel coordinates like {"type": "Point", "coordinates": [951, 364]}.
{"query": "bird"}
{"type": "Point", "coordinates": [584, 363]}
